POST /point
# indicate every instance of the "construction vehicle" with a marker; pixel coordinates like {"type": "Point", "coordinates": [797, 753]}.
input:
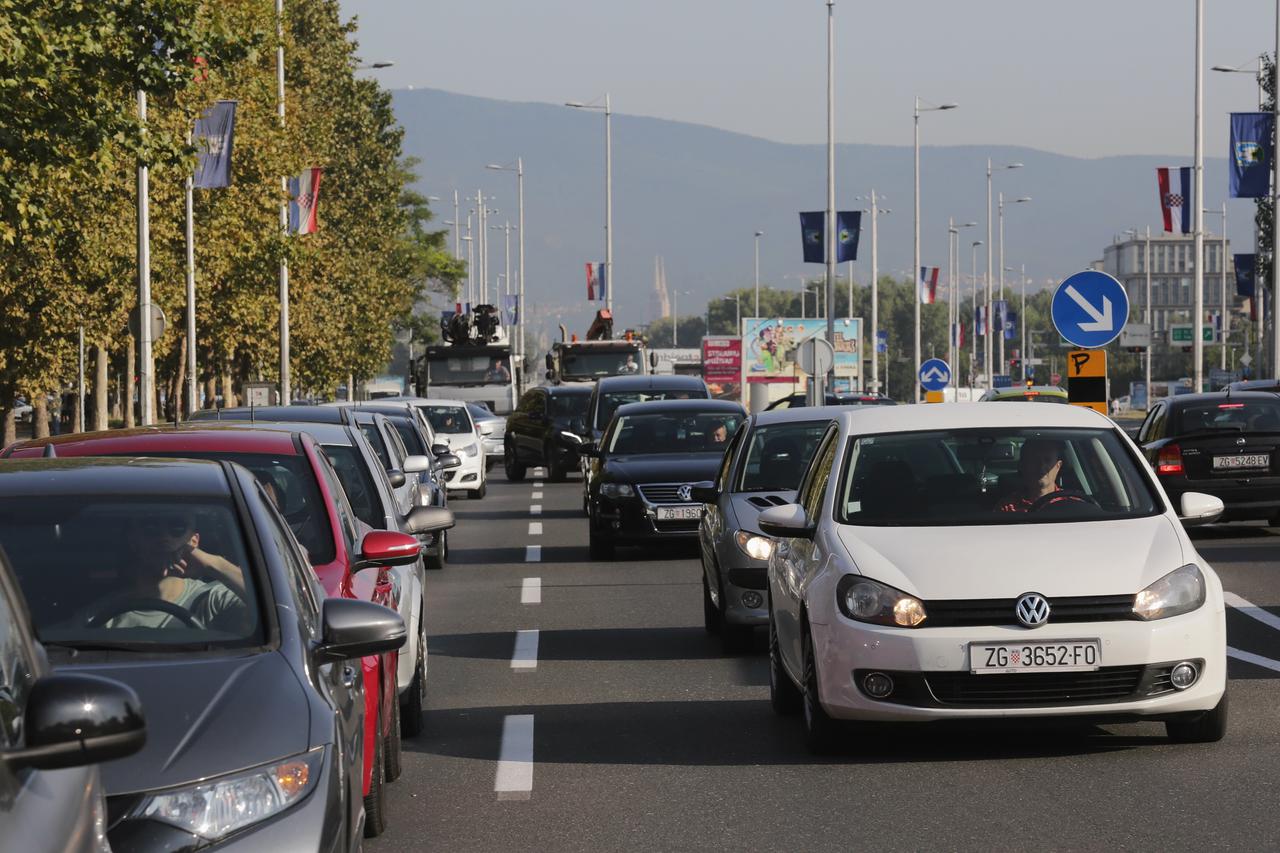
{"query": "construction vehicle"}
{"type": "Point", "coordinates": [572, 360]}
{"type": "Point", "coordinates": [474, 364]}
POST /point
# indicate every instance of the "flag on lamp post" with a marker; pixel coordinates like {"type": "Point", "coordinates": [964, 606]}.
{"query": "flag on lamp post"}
{"type": "Point", "coordinates": [304, 199]}
{"type": "Point", "coordinates": [848, 229]}
{"type": "Point", "coordinates": [928, 285]}
{"type": "Point", "coordinates": [213, 136]}
{"type": "Point", "coordinates": [597, 283]}
{"type": "Point", "coordinates": [1244, 274]}
{"type": "Point", "coordinates": [1251, 155]}
{"type": "Point", "coordinates": [1175, 201]}
{"type": "Point", "coordinates": [812, 224]}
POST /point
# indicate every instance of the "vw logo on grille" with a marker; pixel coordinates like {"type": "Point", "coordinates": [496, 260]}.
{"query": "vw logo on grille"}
{"type": "Point", "coordinates": [685, 492]}
{"type": "Point", "coordinates": [1240, 441]}
{"type": "Point", "coordinates": [1032, 610]}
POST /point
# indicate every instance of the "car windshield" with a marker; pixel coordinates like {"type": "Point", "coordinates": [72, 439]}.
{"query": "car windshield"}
{"type": "Point", "coordinates": [357, 482]}
{"type": "Point", "coordinates": [450, 420]}
{"type": "Point", "coordinates": [145, 574]}
{"type": "Point", "coordinates": [589, 365]}
{"type": "Point", "coordinates": [693, 432]}
{"type": "Point", "coordinates": [474, 369]}
{"type": "Point", "coordinates": [991, 476]}
{"type": "Point", "coordinates": [778, 454]}
{"type": "Point", "coordinates": [1226, 415]}
{"type": "Point", "coordinates": [611, 400]}
{"type": "Point", "coordinates": [566, 407]}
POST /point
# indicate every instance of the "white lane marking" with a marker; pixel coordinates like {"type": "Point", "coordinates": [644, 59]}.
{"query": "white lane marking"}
{"type": "Point", "coordinates": [535, 509]}
{"type": "Point", "coordinates": [1248, 608]}
{"type": "Point", "coordinates": [514, 779]}
{"type": "Point", "coordinates": [1256, 660]}
{"type": "Point", "coordinates": [535, 528]}
{"type": "Point", "coordinates": [536, 496]}
{"type": "Point", "coordinates": [538, 484]}
{"type": "Point", "coordinates": [533, 554]}
{"type": "Point", "coordinates": [531, 591]}
{"type": "Point", "coordinates": [525, 655]}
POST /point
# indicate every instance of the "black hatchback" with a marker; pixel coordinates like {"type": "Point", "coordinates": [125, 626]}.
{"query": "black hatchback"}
{"type": "Point", "coordinates": [546, 429]}
{"type": "Point", "coordinates": [1226, 445]}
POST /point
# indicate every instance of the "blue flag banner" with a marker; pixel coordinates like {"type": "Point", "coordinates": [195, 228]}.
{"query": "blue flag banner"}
{"type": "Point", "coordinates": [513, 309]}
{"type": "Point", "coordinates": [213, 136]}
{"type": "Point", "coordinates": [1251, 154]}
{"type": "Point", "coordinates": [811, 236]}
{"type": "Point", "coordinates": [1000, 310]}
{"type": "Point", "coordinates": [980, 320]}
{"type": "Point", "coordinates": [1010, 325]}
{"type": "Point", "coordinates": [1244, 274]}
{"type": "Point", "coordinates": [848, 229]}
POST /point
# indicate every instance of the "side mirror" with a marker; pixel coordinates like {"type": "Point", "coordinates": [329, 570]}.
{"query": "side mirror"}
{"type": "Point", "coordinates": [351, 628]}
{"type": "Point", "coordinates": [786, 522]}
{"type": "Point", "coordinates": [429, 519]}
{"type": "Point", "coordinates": [484, 428]}
{"type": "Point", "coordinates": [449, 461]}
{"type": "Point", "coordinates": [396, 476]}
{"type": "Point", "coordinates": [439, 449]}
{"type": "Point", "coordinates": [1199, 508]}
{"type": "Point", "coordinates": [653, 361]}
{"type": "Point", "coordinates": [551, 365]}
{"type": "Point", "coordinates": [73, 719]}
{"type": "Point", "coordinates": [415, 464]}
{"type": "Point", "coordinates": [704, 493]}
{"type": "Point", "coordinates": [385, 548]}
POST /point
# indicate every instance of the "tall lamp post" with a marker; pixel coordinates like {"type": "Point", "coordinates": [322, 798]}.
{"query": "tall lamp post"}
{"type": "Point", "coordinates": [915, 267]}
{"type": "Point", "coordinates": [737, 299]}
{"type": "Point", "coordinates": [953, 270]}
{"type": "Point", "coordinates": [1023, 200]}
{"type": "Point", "coordinates": [608, 192]}
{"type": "Point", "coordinates": [286, 392]}
{"type": "Point", "coordinates": [520, 308]}
{"type": "Point", "coordinates": [1222, 268]}
{"type": "Point", "coordinates": [973, 279]}
{"type": "Point", "coordinates": [759, 234]}
{"type": "Point", "coordinates": [875, 291]}
{"type": "Point", "coordinates": [988, 351]}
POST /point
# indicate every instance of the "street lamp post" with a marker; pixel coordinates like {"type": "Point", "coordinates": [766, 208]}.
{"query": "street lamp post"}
{"type": "Point", "coordinates": [520, 307]}
{"type": "Point", "coordinates": [737, 299]}
{"type": "Point", "coordinates": [915, 267]}
{"type": "Point", "coordinates": [286, 392]}
{"type": "Point", "coordinates": [1197, 337]}
{"type": "Point", "coordinates": [973, 279]}
{"type": "Point", "coordinates": [759, 234]}
{"type": "Point", "coordinates": [988, 351]}
{"type": "Point", "coordinates": [875, 294]}
{"type": "Point", "coordinates": [953, 308]}
{"type": "Point", "coordinates": [1021, 200]}
{"type": "Point", "coordinates": [1222, 268]}
{"type": "Point", "coordinates": [608, 192]}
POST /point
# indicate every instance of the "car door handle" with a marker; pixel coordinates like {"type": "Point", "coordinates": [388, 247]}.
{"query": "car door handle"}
{"type": "Point", "coordinates": [349, 677]}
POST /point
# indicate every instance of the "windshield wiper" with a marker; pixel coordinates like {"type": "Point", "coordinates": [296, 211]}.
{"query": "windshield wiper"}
{"type": "Point", "coordinates": [93, 646]}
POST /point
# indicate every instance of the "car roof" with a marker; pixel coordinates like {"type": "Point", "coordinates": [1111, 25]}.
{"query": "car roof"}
{"type": "Point", "coordinates": [112, 477]}
{"type": "Point", "coordinates": [437, 401]}
{"type": "Point", "coordinates": [1044, 390]}
{"type": "Point", "coordinates": [1251, 384]}
{"type": "Point", "coordinates": [926, 416]}
{"type": "Point", "coordinates": [662, 382]}
{"type": "Point", "coordinates": [300, 414]}
{"type": "Point", "coordinates": [569, 389]}
{"type": "Point", "coordinates": [704, 406]}
{"type": "Point", "coordinates": [325, 434]}
{"type": "Point", "coordinates": [1221, 397]}
{"type": "Point", "coordinates": [798, 414]}
{"type": "Point", "coordinates": [143, 440]}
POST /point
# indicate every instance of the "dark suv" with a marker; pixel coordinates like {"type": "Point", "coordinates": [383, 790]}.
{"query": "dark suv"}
{"type": "Point", "coordinates": [548, 429]}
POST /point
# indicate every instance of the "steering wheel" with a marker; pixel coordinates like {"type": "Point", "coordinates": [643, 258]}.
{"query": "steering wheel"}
{"type": "Point", "coordinates": [1060, 496]}
{"type": "Point", "coordinates": [100, 615]}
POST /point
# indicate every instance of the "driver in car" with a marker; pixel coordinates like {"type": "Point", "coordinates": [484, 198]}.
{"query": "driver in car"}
{"type": "Point", "coordinates": [170, 566]}
{"type": "Point", "coordinates": [1039, 467]}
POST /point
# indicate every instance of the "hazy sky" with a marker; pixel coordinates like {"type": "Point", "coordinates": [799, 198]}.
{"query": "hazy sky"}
{"type": "Point", "coordinates": [1084, 77]}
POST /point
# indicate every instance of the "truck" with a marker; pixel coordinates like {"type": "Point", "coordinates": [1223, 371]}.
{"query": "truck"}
{"type": "Point", "coordinates": [474, 364]}
{"type": "Point", "coordinates": [572, 360]}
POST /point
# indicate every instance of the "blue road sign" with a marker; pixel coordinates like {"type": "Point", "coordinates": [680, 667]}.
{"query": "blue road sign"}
{"type": "Point", "coordinates": [882, 341]}
{"type": "Point", "coordinates": [1002, 380]}
{"type": "Point", "coordinates": [935, 374]}
{"type": "Point", "coordinates": [1090, 309]}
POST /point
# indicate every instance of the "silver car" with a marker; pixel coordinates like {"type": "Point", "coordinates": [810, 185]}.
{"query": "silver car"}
{"type": "Point", "coordinates": [493, 440]}
{"type": "Point", "coordinates": [761, 469]}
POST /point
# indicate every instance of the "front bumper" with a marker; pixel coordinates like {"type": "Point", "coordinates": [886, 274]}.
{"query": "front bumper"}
{"type": "Point", "coordinates": [932, 668]}
{"type": "Point", "coordinates": [468, 475]}
{"type": "Point", "coordinates": [634, 520]}
{"type": "Point", "coordinates": [742, 576]}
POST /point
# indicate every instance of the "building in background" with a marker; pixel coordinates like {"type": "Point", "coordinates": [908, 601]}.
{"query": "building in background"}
{"type": "Point", "coordinates": [1172, 277]}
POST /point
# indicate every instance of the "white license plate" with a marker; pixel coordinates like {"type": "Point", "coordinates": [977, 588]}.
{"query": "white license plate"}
{"type": "Point", "coordinates": [679, 513]}
{"type": "Point", "coordinates": [1046, 656]}
{"type": "Point", "coordinates": [1244, 460]}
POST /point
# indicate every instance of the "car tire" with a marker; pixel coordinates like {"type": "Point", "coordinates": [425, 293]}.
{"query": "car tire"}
{"type": "Point", "coordinates": [375, 802]}
{"type": "Point", "coordinates": [391, 752]}
{"type": "Point", "coordinates": [514, 470]}
{"type": "Point", "coordinates": [599, 545]}
{"type": "Point", "coordinates": [710, 613]}
{"type": "Point", "coordinates": [435, 562]}
{"type": "Point", "coordinates": [556, 472]}
{"type": "Point", "coordinates": [784, 696]}
{"type": "Point", "coordinates": [416, 695]}
{"type": "Point", "coordinates": [819, 730]}
{"type": "Point", "coordinates": [1209, 727]}
{"type": "Point", "coordinates": [478, 494]}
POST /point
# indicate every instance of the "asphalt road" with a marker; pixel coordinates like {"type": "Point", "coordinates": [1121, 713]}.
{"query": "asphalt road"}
{"type": "Point", "coordinates": [626, 729]}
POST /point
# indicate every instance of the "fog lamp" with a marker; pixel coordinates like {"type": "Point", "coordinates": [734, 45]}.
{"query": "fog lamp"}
{"type": "Point", "coordinates": [877, 684]}
{"type": "Point", "coordinates": [752, 600]}
{"type": "Point", "coordinates": [1184, 675]}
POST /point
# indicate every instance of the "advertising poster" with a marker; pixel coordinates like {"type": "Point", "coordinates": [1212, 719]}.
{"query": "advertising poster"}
{"type": "Point", "coordinates": [722, 367]}
{"type": "Point", "coordinates": [769, 348]}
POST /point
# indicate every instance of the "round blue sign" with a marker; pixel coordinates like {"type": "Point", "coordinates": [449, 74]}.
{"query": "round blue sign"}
{"type": "Point", "coordinates": [1090, 309]}
{"type": "Point", "coordinates": [935, 374]}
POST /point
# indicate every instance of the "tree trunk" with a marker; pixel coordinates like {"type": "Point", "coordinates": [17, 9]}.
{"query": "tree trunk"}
{"type": "Point", "coordinates": [40, 415]}
{"type": "Point", "coordinates": [228, 395]}
{"type": "Point", "coordinates": [10, 425]}
{"type": "Point", "coordinates": [178, 390]}
{"type": "Point", "coordinates": [210, 392]}
{"type": "Point", "coordinates": [76, 410]}
{"type": "Point", "coordinates": [101, 378]}
{"type": "Point", "coordinates": [126, 393]}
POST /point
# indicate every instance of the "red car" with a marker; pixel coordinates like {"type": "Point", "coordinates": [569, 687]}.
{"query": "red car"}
{"type": "Point", "coordinates": [298, 475]}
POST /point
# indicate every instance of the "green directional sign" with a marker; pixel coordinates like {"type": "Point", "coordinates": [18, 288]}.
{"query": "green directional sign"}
{"type": "Point", "coordinates": [1181, 334]}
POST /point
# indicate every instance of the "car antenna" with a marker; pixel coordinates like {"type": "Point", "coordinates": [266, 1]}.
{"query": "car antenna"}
{"type": "Point", "coordinates": [50, 452]}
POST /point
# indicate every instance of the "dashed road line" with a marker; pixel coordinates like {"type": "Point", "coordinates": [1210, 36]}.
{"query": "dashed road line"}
{"type": "Point", "coordinates": [514, 778]}
{"type": "Point", "coordinates": [533, 554]}
{"type": "Point", "coordinates": [531, 591]}
{"type": "Point", "coordinates": [536, 496]}
{"type": "Point", "coordinates": [535, 528]}
{"type": "Point", "coordinates": [535, 509]}
{"type": "Point", "coordinates": [525, 655]}
{"type": "Point", "coordinates": [1256, 660]}
{"type": "Point", "coordinates": [1248, 608]}
{"type": "Point", "coordinates": [538, 485]}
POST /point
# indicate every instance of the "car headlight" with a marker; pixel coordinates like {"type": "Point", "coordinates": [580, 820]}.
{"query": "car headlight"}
{"type": "Point", "coordinates": [571, 436]}
{"type": "Point", "coordinates": [1178, 592]}
{"type": "Point", "coordinates": [754, 545]}
{"type": "Point", "coordinates": [616, 490]}
{"type": "Point", "coordinates": [218, 807]}
{"type": "Point", "coordinates": [865, 600]}
{"type": "Point", "coordinates": [470, 450]}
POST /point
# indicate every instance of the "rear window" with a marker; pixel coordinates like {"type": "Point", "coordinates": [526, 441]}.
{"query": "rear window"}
{"type": "Point", "coordinates": [1227, 415]}
{"type": "Point", "coordinates": [357, 482]}
{"type": "Point", "coordinates": [611, 400]}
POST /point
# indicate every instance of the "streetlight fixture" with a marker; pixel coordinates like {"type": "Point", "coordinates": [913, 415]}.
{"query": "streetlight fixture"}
{"type": "Point", "coordinates": [759, 234]}
{"type": "Point", "coordinates": [973, 280]}
{"type": "Point", "coordinates": [608, 191]}
{"type": "Point", "coordinates": [736, 298]}
{"type": "Point", "coordinates": [374, 66]}
{"type": "Point", "coordinates": [675, 316]}
{"type": "Point", "coordinates": [1022, 200]}
{"type": "Point", "coordinates": [875, 291]}
{"type": "Point", "coordinates": [915, 268]}
{"type": "Point", "coordinates": [987, 349]}
{"type": "Point", "coordinates": [953, 309]}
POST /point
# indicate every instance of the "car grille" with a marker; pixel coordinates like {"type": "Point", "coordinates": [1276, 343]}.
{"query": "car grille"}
{"type": "Point", "coordinates": [683, 525]}
{"type": "Point", "coordinates": [1000, 611]}
{"type": "Point", "coordinates": [1109, 684]}
{"type": "Point", "coordinates": [662, 493]}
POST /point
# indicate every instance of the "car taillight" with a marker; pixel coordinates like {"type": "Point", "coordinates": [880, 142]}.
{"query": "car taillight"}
{"type": "Point", "coordinates": [1170, 460]}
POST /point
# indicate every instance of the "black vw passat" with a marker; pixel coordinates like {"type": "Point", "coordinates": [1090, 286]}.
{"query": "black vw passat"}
{"type": "Point", "coordinates": [182, 580]}
{"type": "Point", "coordinates": [646, 466]}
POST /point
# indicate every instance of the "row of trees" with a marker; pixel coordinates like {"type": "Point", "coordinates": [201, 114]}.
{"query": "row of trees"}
{"type": "Point", "coordinates": [69, 149]}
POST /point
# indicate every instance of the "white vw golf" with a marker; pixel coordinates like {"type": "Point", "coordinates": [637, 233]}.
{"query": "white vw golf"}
{"type": "Point", "coordinates": [954, 561]}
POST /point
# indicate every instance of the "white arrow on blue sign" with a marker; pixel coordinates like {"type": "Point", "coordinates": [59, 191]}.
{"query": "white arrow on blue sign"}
{"type": "Point", "coordinates": [935, 374]}
{"type": "Point", "coordinates": [1090, 309]}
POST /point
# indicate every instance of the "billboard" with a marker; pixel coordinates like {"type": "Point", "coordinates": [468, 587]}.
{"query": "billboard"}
{"type": "Point", "coordinates": [722, 367]}
{"type": "Point", "coordinates": [769, 348]}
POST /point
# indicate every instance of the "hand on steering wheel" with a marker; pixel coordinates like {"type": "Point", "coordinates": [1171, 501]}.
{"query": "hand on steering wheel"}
{"type": "Point", "coordinates": [102, 613]}
{"type": "Point", "coordinates": [1060, 496]}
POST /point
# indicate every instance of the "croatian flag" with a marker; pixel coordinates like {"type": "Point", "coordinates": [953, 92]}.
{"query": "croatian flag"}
{"type": "Point", "coordinates": [957, 335]}
{"type": "Point", "coordinates": [980, 320]}
{"type": "Point", "coordinates": [304, 198]}
{"type": "Point", "coordinates": [1175, 201]}
{"type": "Point", "coordinates": [928, 285]}
{"type": "Point", "coordinates": [595, 282]}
